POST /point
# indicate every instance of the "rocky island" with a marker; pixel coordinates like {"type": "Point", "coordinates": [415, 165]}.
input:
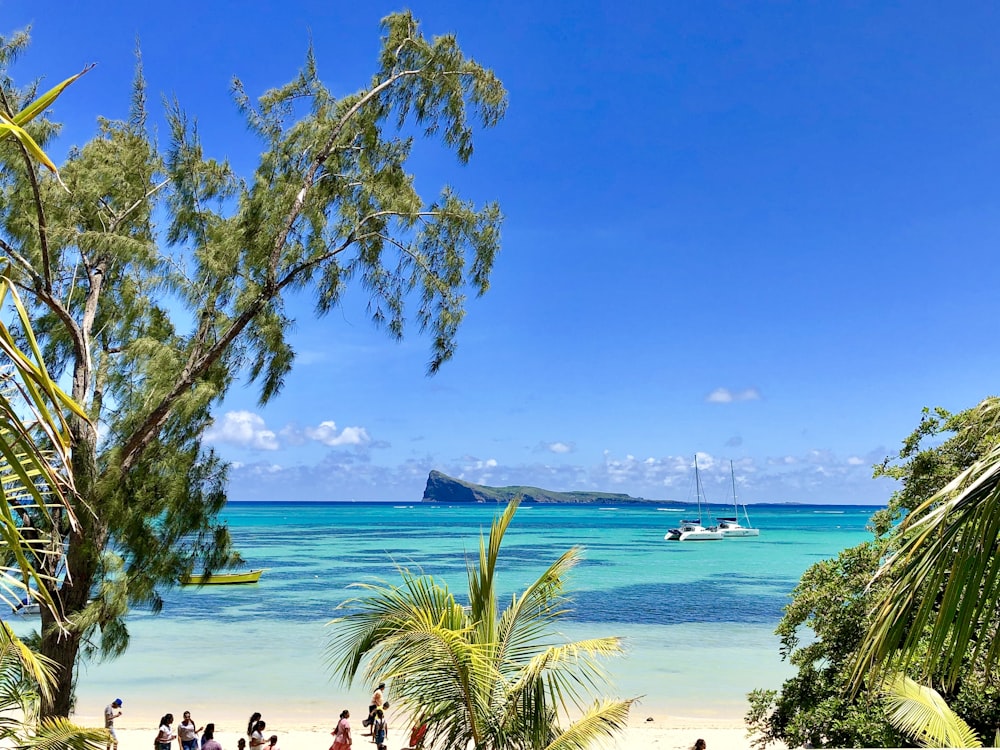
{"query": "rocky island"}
{"type": "Point", "coordinates": [444, 489]}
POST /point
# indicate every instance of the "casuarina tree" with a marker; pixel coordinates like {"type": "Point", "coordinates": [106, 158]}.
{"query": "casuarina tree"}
{"type": "Point", "coordinates": [160, 277]}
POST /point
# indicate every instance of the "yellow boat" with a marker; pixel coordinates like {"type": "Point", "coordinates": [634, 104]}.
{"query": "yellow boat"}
{"type": "Point", "coordinates": [197, 579]}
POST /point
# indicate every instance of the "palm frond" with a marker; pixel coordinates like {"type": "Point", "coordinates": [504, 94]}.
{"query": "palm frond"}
{"type": "Point", "coordinates": [35, 468]}
{"type": "Point", "coordinates": [58, 733]}
{"type": "Point", "coordinates": [568, 672]}
{"type": "Point", "coordinates": [598, 725]}
{"type": "Point", "coordinates": [945, 576]}
{"type": "Point", "coordinates": [529, 617]}
{"type": "Point", "coordinates": [921, 713]}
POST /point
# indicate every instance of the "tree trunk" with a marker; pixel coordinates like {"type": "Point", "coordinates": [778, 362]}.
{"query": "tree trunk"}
{"type": "Point", "coordinates": [83, 555]}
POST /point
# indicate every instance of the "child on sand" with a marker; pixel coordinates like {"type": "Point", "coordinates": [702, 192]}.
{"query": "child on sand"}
{"type": "Point", "coordinates": [380, 729]}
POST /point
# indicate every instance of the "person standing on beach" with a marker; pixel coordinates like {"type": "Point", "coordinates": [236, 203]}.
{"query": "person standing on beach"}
{"type": "Point", "coordinates": [417, 735]}
{"type": "Point", "coordinates": [380, 729]}
{"type": "Point", "coordinates": [187, 733]}
{"type": "Point", "coordinates": [342, 732]}
{"type": "Point", "coordinates": [166, 735]}
{"type": "Point", "coordinates": [699, 744]}
{"type": "Point", "coordinates": [376, 703]}
{"type": "Point", "coordinates": [208, 741]}
{"type": "Point", "coordinates": [254, 718]}
{"type": "Point", "coordinates": [111, 712]}
{"type": "Point", "coordinates": [257, 741]}
{"type": "Point", "coordinates": [272, 744]}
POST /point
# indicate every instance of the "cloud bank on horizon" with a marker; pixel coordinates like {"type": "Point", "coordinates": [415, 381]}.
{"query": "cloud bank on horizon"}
{"type": "Point", "coordinates": [271, 467]}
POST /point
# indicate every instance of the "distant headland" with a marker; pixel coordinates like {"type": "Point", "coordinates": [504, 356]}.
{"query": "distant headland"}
{"type": "Point", "coordinates": [444, 489]}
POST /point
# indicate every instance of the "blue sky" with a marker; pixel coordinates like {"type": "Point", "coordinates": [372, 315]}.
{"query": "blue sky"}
{"type": "Point", "coordinates": [763, 232]}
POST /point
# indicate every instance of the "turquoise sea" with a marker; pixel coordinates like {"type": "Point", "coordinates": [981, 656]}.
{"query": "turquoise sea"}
{"type": "Point", "coordinates": [698, 617]}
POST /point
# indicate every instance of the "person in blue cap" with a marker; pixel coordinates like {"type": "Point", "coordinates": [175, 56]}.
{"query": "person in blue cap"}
{"type": "Point", "coordinates": [112, 712]}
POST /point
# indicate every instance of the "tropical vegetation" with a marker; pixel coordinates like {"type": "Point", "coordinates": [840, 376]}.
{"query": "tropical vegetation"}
{"type": "Point", "coordinates": [160, 277]}
{"type": "Point", "coordinates": [478, 675]}
{"type": "Point", "coordinates": [35, 477]}
{"type": "Point", "coordinates": [25, 677]}
{"type": "Point", "coordinates": [920, 712]}
{"type": "Point", "coordinates": [940, 605]}
{"type": "Point", "coordinates": [835, 609]}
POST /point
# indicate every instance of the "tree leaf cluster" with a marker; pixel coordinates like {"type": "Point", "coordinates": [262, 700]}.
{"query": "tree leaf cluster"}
{"type": "Point", "coordinates": [161, 277]}
{"type": "Point", "coordinates": [832, 611]}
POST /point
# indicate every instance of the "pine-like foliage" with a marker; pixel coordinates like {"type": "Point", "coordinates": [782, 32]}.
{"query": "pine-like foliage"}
{"type": "Point", "coordinates": [153, 323]}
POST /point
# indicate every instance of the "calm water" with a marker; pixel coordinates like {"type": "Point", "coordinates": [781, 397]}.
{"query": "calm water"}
{"type": "Point", "coordinates": [698, 618]}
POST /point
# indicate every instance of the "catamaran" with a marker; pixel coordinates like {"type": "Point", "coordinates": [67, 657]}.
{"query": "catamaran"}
{"type": "Point", "coordinates": [730, 525]}
{"type": "Point", "coordinates": [692, 530]}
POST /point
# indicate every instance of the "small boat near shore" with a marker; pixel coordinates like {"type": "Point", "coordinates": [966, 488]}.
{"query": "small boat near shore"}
{"type": "Point", "coordinates": [202, 579]}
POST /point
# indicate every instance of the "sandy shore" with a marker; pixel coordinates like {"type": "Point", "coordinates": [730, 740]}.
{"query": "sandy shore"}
{"type": "Point", "coordinates": [674, 733]}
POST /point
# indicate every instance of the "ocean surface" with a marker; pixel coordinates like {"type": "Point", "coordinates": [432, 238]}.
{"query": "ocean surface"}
{"type": "Point", "coordinates": [698, 618]}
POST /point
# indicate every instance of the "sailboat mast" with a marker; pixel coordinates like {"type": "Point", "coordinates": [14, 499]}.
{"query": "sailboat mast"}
{"type": "Point", "coordinates": [697, 486]}
{"type": "Point", "coordinates": [732, 473]}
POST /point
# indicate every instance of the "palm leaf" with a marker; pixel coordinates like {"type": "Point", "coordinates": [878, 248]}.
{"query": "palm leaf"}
{"type": "Point", "coordinates": [598, 725]}
{"type": "Point", "coordinates": [9, 127]}
{"type": "Point", "coordinates": [13, 125]}
{"type": "Point", "coordinates": [945, 577]}
{"type": "Point", "coordinates": [34, 454]}
{"type": "Point", "coordinates": [43, 102]}
{"type": "Point", "coordinates": [921, 713]}
{"type": "Point", "coordinates": [57, 733]}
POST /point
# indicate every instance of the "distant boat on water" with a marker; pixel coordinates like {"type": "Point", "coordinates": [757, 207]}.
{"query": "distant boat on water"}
{"type": "Point", "coordinates": [692, 530]}
{"type": "Point", "coordinates": [730, 525]}
{"type": "Point", "coordinates": [197, 579]}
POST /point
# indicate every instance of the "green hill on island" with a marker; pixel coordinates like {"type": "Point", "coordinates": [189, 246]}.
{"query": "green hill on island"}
{"type": "Point", "coordinates": [444, 489]}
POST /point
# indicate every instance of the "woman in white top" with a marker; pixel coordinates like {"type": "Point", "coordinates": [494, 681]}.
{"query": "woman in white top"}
{"type": "Point", "coordinates": [257, 741]}
{"type": "Point", "coordinates": [166, 735]}
{"type": "Point", "coordinates": [187, 732]}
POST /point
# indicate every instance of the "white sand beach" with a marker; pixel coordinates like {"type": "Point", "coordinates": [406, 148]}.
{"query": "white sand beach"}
{"type": "Point", "coordinates": [675, 733]}
{"type": "Point", "coordinates": [298, 730]}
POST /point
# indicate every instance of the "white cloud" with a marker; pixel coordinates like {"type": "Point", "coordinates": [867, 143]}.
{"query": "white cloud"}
{"type": "Point", "coordinates": [558, 447]}
{"type": "Point", "coordinates": [810, 477]}
{"type": "Point", "coordinates": [244, 429]}
{"type": "Point", "coordinates": [727, 396]}
{"type": "Point", "coordinates": [327, 434]}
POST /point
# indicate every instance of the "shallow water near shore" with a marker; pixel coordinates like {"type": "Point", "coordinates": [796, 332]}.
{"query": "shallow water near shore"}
{"type": "Point", "coordinates": [698, 618]}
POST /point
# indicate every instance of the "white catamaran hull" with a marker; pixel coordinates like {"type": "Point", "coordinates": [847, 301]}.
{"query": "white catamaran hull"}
{"type": "Point", "coordinates": [692, 531]}
{"type": "Point", "coordinates": [739, 531]}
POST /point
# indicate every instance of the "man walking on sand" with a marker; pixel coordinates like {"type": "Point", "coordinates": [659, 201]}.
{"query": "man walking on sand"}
{"type": "Point", "coordinates": [376, 703]}
{"type": "Point", "coordinates": [112, 712]}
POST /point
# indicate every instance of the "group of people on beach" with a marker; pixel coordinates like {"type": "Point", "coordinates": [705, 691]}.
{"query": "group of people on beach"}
{"type": "Point", "coordinates": [189, 735]}
{"type": "Point", "coordinates": [377, 724]}
{"type": "Point", "coordinates": [188, 731]}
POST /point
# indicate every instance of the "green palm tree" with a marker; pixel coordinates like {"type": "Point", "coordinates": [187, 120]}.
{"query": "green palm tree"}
{"type": "Point", "coordinates": [34, 473]}
{"type": "Point", "coordinates": [478, 676]}
{"type": "Point", "coordinates": [34, 457]}
{"type": "Point", "coordinates": [24, 677]}
{"type": "Point", "coordinates": [34, 434]}
{"type": "Point", "coordinates": [942, 602]}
